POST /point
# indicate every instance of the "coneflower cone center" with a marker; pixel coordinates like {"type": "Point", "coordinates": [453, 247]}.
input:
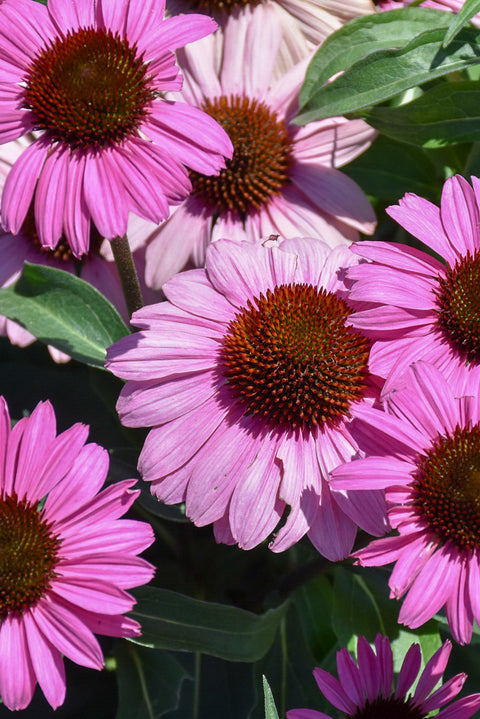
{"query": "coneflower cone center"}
{"type": "Point", "coordinates": [388, 708]}
{"type": "Point", "coordinates": [61, 252]}
{"type": "Point", "coordinates": [447, 487]}
{"type": "Point", "coordinates": [28, 555]}
{"type": "Point", "coordinates": [88, 89]}
{"type": "Point", "coordinates": [261, 160]}
{"type": "Point", "coordinates": [458, 300]}
{"type": "Point", "coordinates": [291, 359]}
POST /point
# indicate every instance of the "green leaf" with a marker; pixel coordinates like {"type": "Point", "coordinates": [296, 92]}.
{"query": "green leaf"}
{"type": "Point", "coordinates": [315, 600]}
{"type": "Point", "coordinates": [386, 73]}
{"type": "Point", "coordinates": [288, 666]}
{"type": "Point", "coordinates": [270, 708]}
{"type": "Point", "coordinates": [174, 621]}
{"type": "Point", "coordinates": [364, 35]}
{"type": "Point", "coordinates": [466, 12]}
{"type": "Point", "coordinates": [428, 637]}
{"type": "Point", "coordinates": [62, 310]}
{"type": "Point", "coordinates": [446, 115]}
{"type": "Point", "coordinates": [389, 169]}
{"type": "Point", "coordinates": [149, 681]}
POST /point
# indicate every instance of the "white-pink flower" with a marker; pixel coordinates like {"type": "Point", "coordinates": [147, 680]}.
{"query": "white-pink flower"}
{"type": "Point", "coordinates": [305, 23]}
{"type": "Point", "coordinates": [283, 179]}
{"type": "Point", "coordinates": [67, 555]}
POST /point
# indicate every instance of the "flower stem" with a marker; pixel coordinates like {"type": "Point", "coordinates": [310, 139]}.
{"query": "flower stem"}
{"type": "Point", "coordinates": [127, 273]}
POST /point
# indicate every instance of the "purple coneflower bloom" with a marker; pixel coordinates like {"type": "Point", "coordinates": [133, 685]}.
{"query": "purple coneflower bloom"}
{"type": "Point", "coordinates": [247, 376]}
{"type": "Point", "coordinates": [96, 267]}
{"type": "Point", "coordinates": [424, 307]}
{"type": "Point", "coordinates": [365, 689]}
{"type": "Point", "coordinates": [425, 454]}
{"type": "Point", "coordinates": [89, 77]}
{"type": "Point", "coordinates": [67, 556]}
{"type": "Point", "coordinates": [282, 179]}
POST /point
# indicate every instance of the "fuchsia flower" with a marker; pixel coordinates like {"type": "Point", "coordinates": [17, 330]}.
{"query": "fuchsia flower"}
{"type": "Point", "coordinates": [67, 556]}
{"type": "Point", "coordinates": [422, 307]}
{"type": "Point", "coordinates": [94, 267]}
{"type": "Point", "coordinates": [283, 179]}
{"type": "Point", "coordinates": [89, 77]}
{"type": "Point", "coordinates": [365, 689]}
{"type": "Point", "coordinates": [247, 375]}
{"type": "Point", "coordinates": [425, 453]}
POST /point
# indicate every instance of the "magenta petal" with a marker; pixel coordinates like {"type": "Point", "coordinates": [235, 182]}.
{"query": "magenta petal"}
{"type": "Point", "coordinates": [72, 15]}
{"type": "Point", "coordinates": [105, 195]}
{"type": "Point", "coordinates": [205, 155]}
{"type": "Point", "coordinates": [409, 670]}
{"type": "Point", "coordinates": [178, 31]}
{"type": "Point", "coordinates": [39, 432]}
{"type": "Point", "coordinates": [47, 663]}
{"type": "Point", "coordinates": [430, 590]}
{"type": "Point", "coordinates": [68, 634]}
{"type": "Point", "coordinates": [350, 677]}
{"type": "Point", "coordinates": [20, 185]}
{"type": "Point", "coordinates": [446, 693]}
{"type": "Point", "coordinates": [422, 219]}
{"type": "Point", "coordinates": [16, 687]}
{"type": "Point", "coordinates": [462, 709]}
{"type": "Point", "coordinates": [333, 690]}
{"type": "Point", "coordinates": [59, 460]}
{"type": "Point", "coordinates": [460, 216]}
{"type": "Point", "coordinates": [76, 489]}
{"type": "Point", "coordinates": [76, 224]}
{"type": "Point", "coordinates": [432, 673]}
{"type": "Point", "coordinates": [332, 532]}
{"type": "Point", "coordinates": [50, 196]}
{"type": "Point", "coordinates": [458, 607]}
{"type": "Point", "coordinates": [370, 675]}
{"type": "Point", "coordinates": [161, 453]}
{"type": "Point", "coordinates": [255, 508]}
{"type": "Point", "coordinates": [94, 595]}
{"type": "Point", "coordinates": [125, 572]}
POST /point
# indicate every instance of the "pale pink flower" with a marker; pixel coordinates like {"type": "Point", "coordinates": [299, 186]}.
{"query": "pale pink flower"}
{"type": "Point", "coordinates": [422, 307]}
{"type": "Point", "coordinates": [305, 23]}
{"type": "Point", "coordinates": [89, 76]}
{"type": "Point", "coordinates": [247, 375]}
{"type": "Point", "coordinates": [449, 5]}
{"type": "Point", "coordinates": [366, 688]}
{"type": "Point", "coordinates": [425, 453]}
{"type": "Point", "coordinates": [67, 555]}
{"type": "Point", "coordinates": [283, 178]}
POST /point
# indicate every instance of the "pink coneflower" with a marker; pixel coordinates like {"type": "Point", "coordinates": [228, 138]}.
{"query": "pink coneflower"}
{"type": "Point", "coordinates": [305, 23]}
{"type": "Point", "coordinates": [67, 556]}
{"type": "Point", "coordinates": [247, 376]}
{"type": "Point", "coordinates": [94, 267]}
{"type": "Point", "coordinates": [365, 689]}
{"type": "Point", "coordinates": [89, 77]}
{"type": "Point", "coordinates": [425, 453]}
{"type": "Point", "coordinates": [282, 178]}
{"type": "Point", "coordinates": [424, 308]}
{"type": "Point", "coordinates": [450, 5]}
